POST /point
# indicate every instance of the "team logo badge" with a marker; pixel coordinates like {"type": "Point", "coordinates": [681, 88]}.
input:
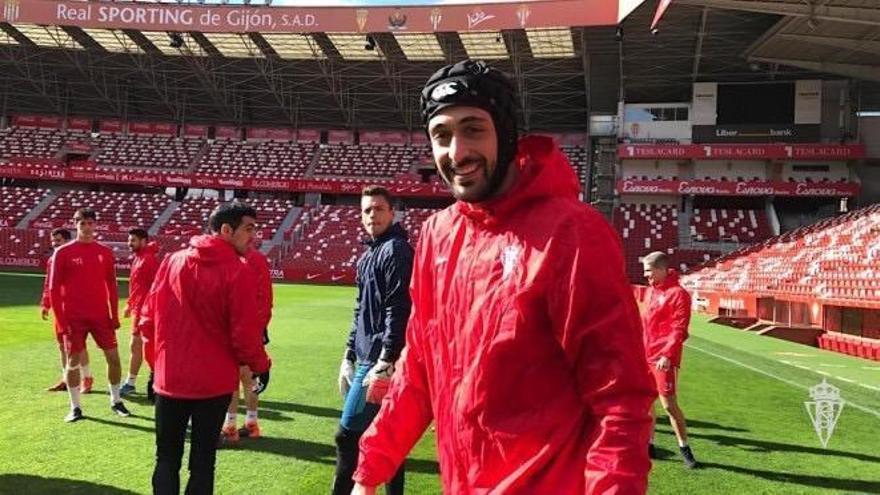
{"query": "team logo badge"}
{"type": "Point", "coordinates": [824, 410]}
{"type": "Point", "coordinates": [446, 90]}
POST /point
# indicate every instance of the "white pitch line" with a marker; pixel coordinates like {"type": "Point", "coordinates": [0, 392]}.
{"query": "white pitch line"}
{"type": "Point", "coordinates": [826, 365]}
{"type": "Point", "coordinates": [845, 379]}
{"type": "Point", "coordinates": [771, 375]}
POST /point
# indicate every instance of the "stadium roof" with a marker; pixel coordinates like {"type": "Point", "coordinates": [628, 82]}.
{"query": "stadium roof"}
{"type": "Point", "coordinates": [331, 80]}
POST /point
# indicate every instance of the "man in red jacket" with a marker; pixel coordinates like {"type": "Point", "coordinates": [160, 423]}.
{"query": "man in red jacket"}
{"type": "Point", "coordinates": [144, 265]}
{"type": "Point", "coordinates": [60, 237]}
{"type": "Point", "coordinates": [666, 320]}
{"type": "Point", "coordinates": [199, 318]}
{"type": "Point", "coordinates": [230, 434]}
{"type": "Point", "coordinates": [82, 286]}
{"type": "Point", "coordinates": [524, 342]}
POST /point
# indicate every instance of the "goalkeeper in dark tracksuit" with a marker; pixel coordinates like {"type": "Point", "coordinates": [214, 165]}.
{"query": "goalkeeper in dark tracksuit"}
{"type": "Point", "coordinates": [377, 333]}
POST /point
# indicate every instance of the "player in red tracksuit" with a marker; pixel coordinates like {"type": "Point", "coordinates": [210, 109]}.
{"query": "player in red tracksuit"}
{"type": "Point", "coordinates": [144, 265]}
{"type": "Point", "coordinates": [524, 343]}
{"type": "Point", "coordinates": [59, 238]}
{"type": "Point", "coordinates": [258, 262]}
{"type": "Point", "coordinates": [82, 287]}
{"type": "Point", "coordinates": [200, 319]}
{"type": "Point", "coordinates": [666, 319]}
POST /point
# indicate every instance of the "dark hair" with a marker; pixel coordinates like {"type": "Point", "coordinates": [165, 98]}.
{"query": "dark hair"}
{"type": "Point", "coordinates": [85, 213]}
{"type": "Point", "coordinates": [139, 233]}
{"type": "Point", "coordinates": [63, 233]}
{"type": "Point", "coordinates": [230, 213]}
{"type": "Point", "coordinates": [378, 191]}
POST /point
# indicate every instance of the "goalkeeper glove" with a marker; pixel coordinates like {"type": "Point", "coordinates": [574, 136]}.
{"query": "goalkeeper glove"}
{"type": "Point", "coordinates": [260, 382]}
{"type": "Point", "coordinates": [346, 373]}
{"type": "Point", "coordinates": [378, 380]}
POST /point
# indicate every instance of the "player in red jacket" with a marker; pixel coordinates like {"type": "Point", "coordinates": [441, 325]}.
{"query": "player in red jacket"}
{"type": "Point", "coordinates": [524, 344]}
{"type": "Point", "coordinates": [666, 319]}
{"type": "Point", "coordinates": [230, 433]}
{"type": "Point", "coordinates": [144, 265]}
{"type": "Point", "coordinates": [82, 288]}
{"type": "Point", "coordinates": [199, 317]}
{"type": "Point", "coordinates": [60, 237]}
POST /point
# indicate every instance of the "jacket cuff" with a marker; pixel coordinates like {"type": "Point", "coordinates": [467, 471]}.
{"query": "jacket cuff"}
{"type": "Point", "coordinates": [388, 355]}
{"type": "Point", "coordinates": [350, 355]}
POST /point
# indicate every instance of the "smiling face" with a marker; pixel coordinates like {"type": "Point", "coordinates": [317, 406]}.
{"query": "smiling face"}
{"type": "Point", "coordinates": [465, 148]}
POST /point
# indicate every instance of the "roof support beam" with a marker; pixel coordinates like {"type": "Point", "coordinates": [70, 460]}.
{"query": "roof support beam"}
{"type": "Point", "coordinates": [698, 51]}
{"type": "Point", "coordinates": [857, 15]}
{"type": "Point", "coordinates": [865, 46]}
{"type": "Point", "coordinates": [867, 72]}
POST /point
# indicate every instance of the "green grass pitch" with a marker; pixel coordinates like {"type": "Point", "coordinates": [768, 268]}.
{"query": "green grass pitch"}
{"type": "Point", "coordinates": [743, 395]}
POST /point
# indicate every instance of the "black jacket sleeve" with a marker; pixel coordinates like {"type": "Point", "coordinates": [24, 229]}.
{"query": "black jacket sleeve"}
{"type": "Point", "coordinates": [397, 270]}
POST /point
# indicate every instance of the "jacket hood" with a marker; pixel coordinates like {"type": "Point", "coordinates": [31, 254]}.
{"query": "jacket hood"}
{"type": "Point", "coordinates": [152, 247]}
{"type": "Point", "coordinates": [544, 171]}
{"type": "Point", "coordinates": [211, 249]}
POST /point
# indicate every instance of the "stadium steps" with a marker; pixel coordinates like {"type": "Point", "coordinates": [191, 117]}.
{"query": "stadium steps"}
{"type": "Point", "coordinates": [286, 224]}
{"type": "Point", "coordinates": [163, 218]}
{"type": "Point", "coordinates": [197, 160]}
{"type": "Point", "coordinates": [757, 327]}
{"type": "Point", "coordinates": [316, 157]}
{"type": "Point", "coordinates": [772, 218]}
{"type": "Point", "coordinates": [684, 222]}
{"type": "Point", "coordinates": [37, 210]}
{"type": "Point", "coordinates": [801, 335]}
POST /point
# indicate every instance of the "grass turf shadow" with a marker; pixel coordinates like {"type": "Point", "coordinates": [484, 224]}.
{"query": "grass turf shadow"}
{"type": "Point", "coordinates": [843, 484]}
{"type": "Point", "coordinates": [320, 453]}
{"type": "Point", "coordinates": [26, 483]}
{"type": "Point", "coordinates": [768, 446]}
{"type": "Point", "coordinates": [323, 412]}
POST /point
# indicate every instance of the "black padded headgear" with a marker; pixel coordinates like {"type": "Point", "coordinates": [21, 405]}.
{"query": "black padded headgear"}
{"type": "Point", "coordinates": [472, 83]}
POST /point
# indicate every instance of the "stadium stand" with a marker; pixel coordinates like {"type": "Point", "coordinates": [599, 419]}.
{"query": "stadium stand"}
{"type": "Point", "coordinates": [16, 202]}
{"type": "Point", "coordinates": [25, 142]}
{"type": "Point", "coordinates": [329, 239]}
{"type": "Point", "coordinates": [837, 258]}
{"type": "Point", "coordinates": [729, 224]}
{"type": "Point", "coordinates": [190, 217]}
{"type": "Point", "coordinates": [367, 160]}
{"type": "Point", "coordinates": [146, 151]}
{"type": "Point", "coordinates": [117, 211]}
{"type": "Point", "coordinates": [644, 228]}
{"type": "Point", "coordinates": [20, 244]}
{"type": "Point", "coordinates": [413, 220]}
{"type": "Point", "coordinates": [261, 159]}
{"type": "Point", "coordinates": [579, 159]}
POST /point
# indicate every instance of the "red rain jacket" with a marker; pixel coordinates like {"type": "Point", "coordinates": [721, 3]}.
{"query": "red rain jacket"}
{"type": "Point", "coordinates": [82, 284]}
{"type": "Point", "coordinates": [260, 265]}
{"type": "Point", "coordinates": [524, 346]}
{"type": "Point", "coordinates": [143, 270]}
{"type": "Point", "coordinates": [46, 299]}
{"type": "Point", "coordinates": [199, 318]}
{"type": "Point", "coordinates": [666, 319]}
